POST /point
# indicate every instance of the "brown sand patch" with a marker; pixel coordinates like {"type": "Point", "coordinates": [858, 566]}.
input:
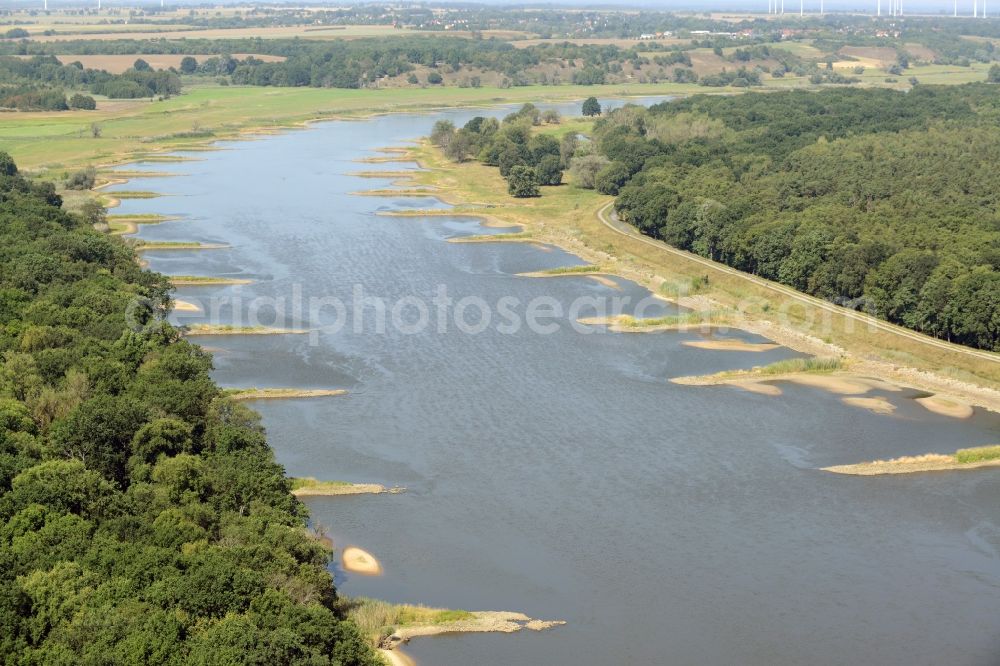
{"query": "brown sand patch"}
{"type": "Point", "coordinates": [946, 406]}
{"type": "Point", "coordinates": [759, 387]}
{"type": "Point", "coordinates": [731, 344]}
{"type": "Point", "coordinates": [185, 306]}
{"type": "Point", "coordinates": [604, 280]}
{"type": "Point", "coordinates": [878, 405]}
{"type": "Point", "coordinates": [397, 658]}
{"type": "Point", "coordinates": [360, 561]}
{"type": "Point", "coordinates": [832, 383]}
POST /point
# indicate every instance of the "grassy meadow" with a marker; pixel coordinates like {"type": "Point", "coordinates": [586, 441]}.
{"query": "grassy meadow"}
{"type": "Point", "coordinates": [46, 141]}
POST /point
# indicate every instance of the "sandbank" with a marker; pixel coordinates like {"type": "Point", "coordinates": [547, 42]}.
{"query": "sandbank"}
{"type": "Point", "coordinates": [731, 344]}
{"type": "Point", "coordinates": [879, 405]}
{"type": "Point", "coordinates": [185, 306]}
{"type": "Point", "coordinates": [946, 406]}
{"type": "Point", "coordinates": [360, 561]}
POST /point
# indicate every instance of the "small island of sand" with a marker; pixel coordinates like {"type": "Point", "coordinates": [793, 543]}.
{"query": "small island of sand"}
{"type": "Point", "coordinates": [946, 406]}
{"type": "Point", "coordinates": [360, 561]}
{"type": "Point", "coordinates": [185, 306]}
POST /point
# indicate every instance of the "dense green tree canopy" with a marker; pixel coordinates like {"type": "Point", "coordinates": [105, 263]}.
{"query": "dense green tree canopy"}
{"type": "Point", "coordinates": [881, 200]}
{"type": "Point", "coordinates": [143, 518]}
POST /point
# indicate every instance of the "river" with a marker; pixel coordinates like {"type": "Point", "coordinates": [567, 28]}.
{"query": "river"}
{"type": "Point", "coordinates": [559, 473]}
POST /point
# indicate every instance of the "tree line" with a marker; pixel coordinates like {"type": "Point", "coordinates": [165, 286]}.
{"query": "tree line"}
{"type": "Point", "coordinates": [876, 199]}
{"type": "Point", "coordinates": [143, 518]}
{"type": "Point", "coordinates": [39, 83]}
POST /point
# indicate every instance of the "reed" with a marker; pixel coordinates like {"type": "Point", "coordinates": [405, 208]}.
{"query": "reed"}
{"type": "Point", "coordinates": [978, 454]}
{"type": "Point", "coordinates": [378, 619]}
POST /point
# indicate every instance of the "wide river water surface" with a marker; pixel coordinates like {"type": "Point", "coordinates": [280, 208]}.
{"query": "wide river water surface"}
{"type": "Point", "coordinates": [559, 473]}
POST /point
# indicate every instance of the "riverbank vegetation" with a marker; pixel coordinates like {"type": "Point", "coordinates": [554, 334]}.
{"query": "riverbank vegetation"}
{"type": "Point", "coordinates": [839, 194]}
{"type": "Point", "coordinates": [142, 515]}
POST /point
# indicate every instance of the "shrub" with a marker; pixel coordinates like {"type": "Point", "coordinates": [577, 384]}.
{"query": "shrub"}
{"type": "Point", "coordinates": [85, 102]}
{"type": "Point", "coordinates": [82, 180]}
